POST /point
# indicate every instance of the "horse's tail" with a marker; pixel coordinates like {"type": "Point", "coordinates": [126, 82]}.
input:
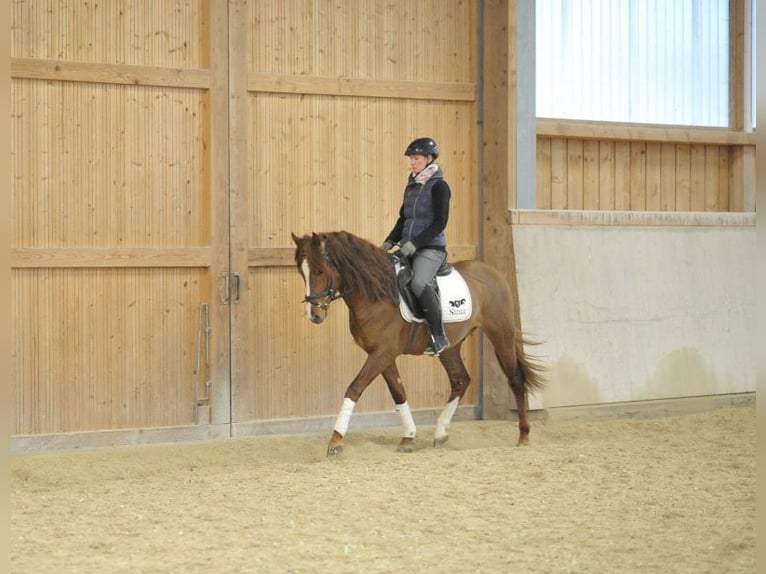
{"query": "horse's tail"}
{"type": "Point", "coordinates": [532, 370]}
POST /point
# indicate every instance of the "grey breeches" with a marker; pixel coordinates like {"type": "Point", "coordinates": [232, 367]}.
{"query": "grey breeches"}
{"type": "Point", "coordinates": [425, 264]}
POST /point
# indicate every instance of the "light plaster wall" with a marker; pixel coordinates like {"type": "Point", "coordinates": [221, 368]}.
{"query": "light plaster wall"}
{"type": "Point", "coordinates": [637, 306]}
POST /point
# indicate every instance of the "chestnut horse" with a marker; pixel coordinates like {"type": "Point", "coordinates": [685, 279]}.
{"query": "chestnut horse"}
{"type": "Point", "coordinates": [339, 265]}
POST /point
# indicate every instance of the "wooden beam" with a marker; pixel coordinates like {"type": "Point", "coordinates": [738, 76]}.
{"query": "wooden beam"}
{"type": "Point", "coordinates": [285, 256]}
{"type": "Point", "coordinates": [588, 130]}
{"type": "Point", "coordinates": [356, 87]}
{"type": "Point", "coordinates": [641, 219]}
{"type": "Point", "coordinates": [63, 71]}
{"type": "Point", "coordinates": [214, 36]}
{"type": "Point", "coordinates": [62, 257]}
{"type": "Point", "coordinates": [742, 160]}
{"type": "Point", "coordinates": [498, 192]}
{"type": "Point", "coordinates": [740, 64]}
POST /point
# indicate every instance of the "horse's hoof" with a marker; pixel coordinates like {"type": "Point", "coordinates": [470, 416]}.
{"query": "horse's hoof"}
{"type": "Point", "coordinates": [405, 445]}
{"type": "Point", "coordinates": [334, 451]}
{"type": "Point", "coordinates": [440, 441]}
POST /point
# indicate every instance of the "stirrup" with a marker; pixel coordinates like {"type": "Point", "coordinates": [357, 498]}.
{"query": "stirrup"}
{"type": "Point", "coordinates": [435, 349]}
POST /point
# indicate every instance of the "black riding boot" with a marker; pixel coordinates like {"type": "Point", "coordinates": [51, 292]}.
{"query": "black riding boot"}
{"type": "Point", "coordinates": [429, 301]}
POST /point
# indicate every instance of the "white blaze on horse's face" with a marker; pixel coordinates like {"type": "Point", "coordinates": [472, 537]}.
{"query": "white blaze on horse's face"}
{"type": "Point", "coordinates": [306, 278]}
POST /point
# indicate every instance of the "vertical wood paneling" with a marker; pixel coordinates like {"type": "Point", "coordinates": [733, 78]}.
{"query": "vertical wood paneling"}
{"type": "Point", "coordinates": [622, 176]}
{"type": "Point", "coordinates": [104, 349]}
{"type": "Point", "coordinates": [559, 177]}
{"type": "Point", "coordinates": [697, 171]}
{"type": "Point", "coordinates": [723, 180]}
{"type": "Point", "coordinates": [668, 177]}
{"type": "Point", "coordinates": [634, 175]}
{"type": "Point", "coordinates": [591, 178]}
{"type": "Point", "coordinates": [314, 167]}
{"type": "Point", "coordinates": [711, 177]}
{"type": "Point", "coordinates": [574, 174]}
{"type": "Point", "coordinates": [325, 163]}
{"type": "Point", "coordinates": [606, 176]}
{"type": "Point", "coordinates": [99, 166]}
{"type": "Point", "coordinates": [115, 32]}
{"type": "Point", "coordinates": [543, 180]}
{"type": "Point", "coordinates": [653, 176]}
{"type": "Point", "coordinates": [431, 40]}
{"type": "Point", "coordinates": [703, 179]}
{"type": "Point", "coordinates": [738, 177]}
{"type": "Point", "coordinates": [637, 176]}
{"type": "Point", "coordinates": [683, 177]}
{"type": "Point", "coordinates": [109, 166]}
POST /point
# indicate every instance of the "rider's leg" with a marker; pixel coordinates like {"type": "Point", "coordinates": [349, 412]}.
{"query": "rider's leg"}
{"type": "Point", "coordinates": [425, 264]}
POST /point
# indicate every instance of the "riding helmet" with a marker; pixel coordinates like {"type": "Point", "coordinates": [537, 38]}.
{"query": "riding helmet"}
{"type": "Point", "coordinates": [423, 146]}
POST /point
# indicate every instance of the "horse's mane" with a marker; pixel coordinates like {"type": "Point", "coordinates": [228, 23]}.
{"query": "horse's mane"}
{"type": "Point", "coordinates": [366, 268]}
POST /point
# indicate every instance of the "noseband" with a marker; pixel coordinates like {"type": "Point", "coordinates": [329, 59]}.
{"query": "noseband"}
{"type": "Point", "coordinates": [329, 292]}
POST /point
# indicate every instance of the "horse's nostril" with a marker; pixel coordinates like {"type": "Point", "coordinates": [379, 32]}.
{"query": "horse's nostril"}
{"type": "Point", "coordinates": [316, 318]}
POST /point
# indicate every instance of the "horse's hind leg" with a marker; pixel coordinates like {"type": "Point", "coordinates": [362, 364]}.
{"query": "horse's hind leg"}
{"type": "Point", "coordinates": [504, 342]}
{"type": "Point", "coordinates": [398, 393]}
{"type": "Point", "coordinates": [510, 364]}
{"type": "Point", "coordinates": [459, 379]}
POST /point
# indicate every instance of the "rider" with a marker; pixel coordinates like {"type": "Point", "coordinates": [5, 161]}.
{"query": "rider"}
{"type": "Point", "coordinates": [419, 232]}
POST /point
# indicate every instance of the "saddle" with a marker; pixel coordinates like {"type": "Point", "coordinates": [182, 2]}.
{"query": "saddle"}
{"type": "Point", "coordinates": [454, 296]}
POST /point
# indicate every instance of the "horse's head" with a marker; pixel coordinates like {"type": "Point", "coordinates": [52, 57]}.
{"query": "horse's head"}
{"type": "Point", "coordinates": [319, 274]}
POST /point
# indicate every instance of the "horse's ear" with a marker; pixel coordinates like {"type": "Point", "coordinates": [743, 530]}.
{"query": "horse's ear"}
{"type": "Point", "coordinates": [296, 239]}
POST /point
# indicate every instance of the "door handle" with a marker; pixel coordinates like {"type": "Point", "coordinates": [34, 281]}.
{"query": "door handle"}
{"type": "Point", "coordinates": [235, 276]}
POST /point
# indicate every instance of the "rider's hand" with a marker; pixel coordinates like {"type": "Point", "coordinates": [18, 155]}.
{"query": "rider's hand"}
{"type": "Point", "coordinates": [408, 249]}
{"type": "Point", "coordinates": [387, 245]}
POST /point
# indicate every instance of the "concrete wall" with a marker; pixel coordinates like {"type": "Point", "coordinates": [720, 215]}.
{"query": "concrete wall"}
{"type": "Point", "coordinates": [637, 306]}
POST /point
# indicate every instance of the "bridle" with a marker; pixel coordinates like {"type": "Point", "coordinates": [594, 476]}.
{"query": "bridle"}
{"type": "Point", "coordinates": [329, 293]}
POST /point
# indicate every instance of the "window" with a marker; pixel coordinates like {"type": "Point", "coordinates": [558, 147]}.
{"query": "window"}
{"type": "Point", "coordinates": [642, 61]}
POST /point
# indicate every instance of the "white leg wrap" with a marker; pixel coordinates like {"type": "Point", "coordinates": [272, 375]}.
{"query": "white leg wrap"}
{"type": "Point", "coordinates": [344, 416]}
{"type": "Point", "coordinates": [408, 424]}
{"type": "Point", "coordinates": [445, 418]}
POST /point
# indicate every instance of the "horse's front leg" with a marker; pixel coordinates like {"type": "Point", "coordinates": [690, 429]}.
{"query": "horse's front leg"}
{"type": "Point", "coordinates": [399, 394]}
{"type": "Point", "coordinates": [459, 379]}
{"type": "Point", "coordinates": [371, 369]}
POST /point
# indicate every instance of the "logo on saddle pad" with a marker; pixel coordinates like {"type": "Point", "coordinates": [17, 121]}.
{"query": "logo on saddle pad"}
{"type": "Point", "coordinates": [454, 296]}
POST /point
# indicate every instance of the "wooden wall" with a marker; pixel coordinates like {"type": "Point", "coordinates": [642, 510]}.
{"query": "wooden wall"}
{"type": "Point", "coordinates": [628, 168]}
{"type": "Point", "coordinates": [162, 155]}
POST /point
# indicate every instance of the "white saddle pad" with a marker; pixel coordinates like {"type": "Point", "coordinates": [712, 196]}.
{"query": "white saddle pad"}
{"type": "Point", "coordinates": [454, 296]}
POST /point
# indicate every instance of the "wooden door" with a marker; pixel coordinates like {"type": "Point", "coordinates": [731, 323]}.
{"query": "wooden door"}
{"type": "Point", "coordinates": [120, 219]}
{"type": "Point", "coordinates": [325, 97]}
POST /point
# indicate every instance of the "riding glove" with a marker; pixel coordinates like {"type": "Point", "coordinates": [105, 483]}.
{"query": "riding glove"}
{"type": "Point", "coordinates": [408, 249]}
{"type": "Point", "coordinates": [387, 245]}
